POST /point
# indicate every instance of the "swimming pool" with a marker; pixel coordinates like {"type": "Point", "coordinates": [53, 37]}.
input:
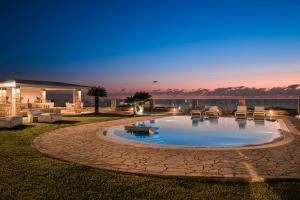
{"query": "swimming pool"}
{"type": "Point", "coordinates": [206, 132]}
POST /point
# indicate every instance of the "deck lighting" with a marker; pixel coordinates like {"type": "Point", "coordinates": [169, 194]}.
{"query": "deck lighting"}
{"type": "Point", "coordinates": [271, 112]}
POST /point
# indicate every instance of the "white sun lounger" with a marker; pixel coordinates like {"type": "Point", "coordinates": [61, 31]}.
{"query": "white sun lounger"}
{"type": "Point", "coordinates": [213, 111]}
{"type": "Point", "coordinates": [259, 112]}
{"type": "Point", "coordinates": [196, 113]}
{"type": "Point", "coordinates": [241, 112]}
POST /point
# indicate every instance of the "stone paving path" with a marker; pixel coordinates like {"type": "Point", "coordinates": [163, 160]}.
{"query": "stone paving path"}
{"type": "Point", "coordinates": [84, 144]}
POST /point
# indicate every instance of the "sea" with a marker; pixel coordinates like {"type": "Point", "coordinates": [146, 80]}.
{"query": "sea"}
{"type": "Point", "coordinates": [230, 103]}
{"type": "Point", "coordinates": [60, 100]}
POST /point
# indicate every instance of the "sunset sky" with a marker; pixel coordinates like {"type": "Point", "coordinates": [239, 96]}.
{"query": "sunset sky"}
{"type": "Point", "coordinates": [150, 45]}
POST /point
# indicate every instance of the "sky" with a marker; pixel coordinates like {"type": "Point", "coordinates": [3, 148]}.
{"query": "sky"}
{"type": "Point", "coordinates": [132, 45]}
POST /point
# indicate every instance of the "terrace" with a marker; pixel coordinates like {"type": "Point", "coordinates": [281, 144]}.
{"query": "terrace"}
{"type": "Point", "coordinates": [19, 96]}
{"type": "Point", "coordinates": [276, 160]}
{"type": "Point", "coordinates": [116, 167]}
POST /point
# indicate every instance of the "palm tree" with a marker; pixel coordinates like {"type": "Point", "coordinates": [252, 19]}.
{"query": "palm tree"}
{"type": "Point", "coordinates": [131, 102]}
{"type": "Point", "coordinates": [138, 101]}
{"type": "Point", "coordinates": [97, 92]}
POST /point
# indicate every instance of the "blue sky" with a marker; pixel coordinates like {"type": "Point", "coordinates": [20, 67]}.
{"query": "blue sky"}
{"type": "Point", "coordinates": [128, 44]}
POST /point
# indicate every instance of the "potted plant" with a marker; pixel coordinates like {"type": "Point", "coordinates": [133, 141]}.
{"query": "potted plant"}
{"type": "Point", "coordinates": [137, 101]}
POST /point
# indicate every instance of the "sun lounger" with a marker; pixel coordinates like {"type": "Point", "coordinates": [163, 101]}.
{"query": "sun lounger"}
{"type": "Point", "coordinates": [213, 111]}
{"type": "Point", "coordinates": [10, 121]}
{"type": "Point", "coordinates": [259, 112]}
{"type": "Point", "coordinates": [196, 113]}
{"type": "Point", "coordinates": [241, 112]}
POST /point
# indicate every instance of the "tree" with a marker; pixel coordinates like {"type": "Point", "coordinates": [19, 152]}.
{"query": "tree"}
{"type": "Point", "coordinates": [138, 101]}
{"type": "Point", "coordinates": [97, 92]}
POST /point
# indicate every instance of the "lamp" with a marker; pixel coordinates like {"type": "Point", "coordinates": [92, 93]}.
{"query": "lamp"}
{"type": "Point", "coordinates": [271, 112]}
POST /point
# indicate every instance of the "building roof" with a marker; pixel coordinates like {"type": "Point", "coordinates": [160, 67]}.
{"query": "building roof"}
{"type": "Point", "coordinates": [42, 84]}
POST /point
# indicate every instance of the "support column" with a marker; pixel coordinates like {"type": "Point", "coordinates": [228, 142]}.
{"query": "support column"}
{"type": "Point", "coordinates": [152, 104]}
{"type": "Point", "coordinates": [4, 107]}
{"type": "Point", "coordinates": [3, 95]}
{"type": "Point", "coordinates": [113, 104]}
{"type": "Point", "coordinates": [43, 96]}
{"type": "Point", "coordinates": [15, 101]}
{"type": "Point", "coordinates": [194, 104]}
{"type": "Point", "coordinates": [77, 100]}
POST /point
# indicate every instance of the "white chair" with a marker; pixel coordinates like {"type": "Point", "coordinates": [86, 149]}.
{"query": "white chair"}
{"type": "Point", "coordinates": [69, 107]}
{"type": "Point", "coordinates": [241, 112]}
{"type": "Point", "coordinates": [48, 105]}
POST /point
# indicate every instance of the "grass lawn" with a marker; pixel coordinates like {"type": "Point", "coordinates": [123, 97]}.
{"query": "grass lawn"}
{"type": "Point", "coordinates": [27, 174]}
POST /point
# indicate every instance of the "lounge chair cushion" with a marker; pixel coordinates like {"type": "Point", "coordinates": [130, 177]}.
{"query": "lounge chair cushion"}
{"type": "Point", "coordinates": [213, 110]}
{"type": "Point", "coordinates": [197, 112]}
{"type": "Point", "coordinates": [259, 109]}
{"type": "Point", "coordinates": [241, 109]}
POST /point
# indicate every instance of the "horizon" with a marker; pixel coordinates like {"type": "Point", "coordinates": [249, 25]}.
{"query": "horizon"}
{"type": "Point", "coordinates": [129, 46]}
{"type": "Point", "coordinates": [240, 92]}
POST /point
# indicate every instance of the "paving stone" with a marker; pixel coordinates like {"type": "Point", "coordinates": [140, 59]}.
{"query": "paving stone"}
{"type": "Point", "coordinates": [84, 144]}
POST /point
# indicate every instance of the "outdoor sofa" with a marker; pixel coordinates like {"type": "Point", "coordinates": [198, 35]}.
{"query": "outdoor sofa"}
{"type": "Point", "coordinates": [38, 116]}
{"type": "Point", "coordinates": [10, 121]}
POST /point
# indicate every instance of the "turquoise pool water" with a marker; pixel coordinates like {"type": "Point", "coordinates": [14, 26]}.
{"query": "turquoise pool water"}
{"type": "Point", "coordinates": [212, 132]}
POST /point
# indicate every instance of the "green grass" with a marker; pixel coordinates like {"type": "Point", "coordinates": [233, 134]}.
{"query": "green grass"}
{"type": "Point", "coordinates": [27, 174]}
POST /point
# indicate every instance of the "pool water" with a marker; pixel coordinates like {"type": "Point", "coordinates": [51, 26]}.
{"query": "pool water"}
{"type": "Point", "coordinates": [211, 132]}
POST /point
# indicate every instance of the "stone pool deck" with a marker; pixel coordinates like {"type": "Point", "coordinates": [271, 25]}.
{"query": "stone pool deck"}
{"type": "Point", "coordinates": [86, 144]}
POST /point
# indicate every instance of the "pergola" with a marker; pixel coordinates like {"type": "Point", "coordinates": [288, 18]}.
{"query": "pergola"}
{"type": "Point", "coordinates": [17, 95]}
